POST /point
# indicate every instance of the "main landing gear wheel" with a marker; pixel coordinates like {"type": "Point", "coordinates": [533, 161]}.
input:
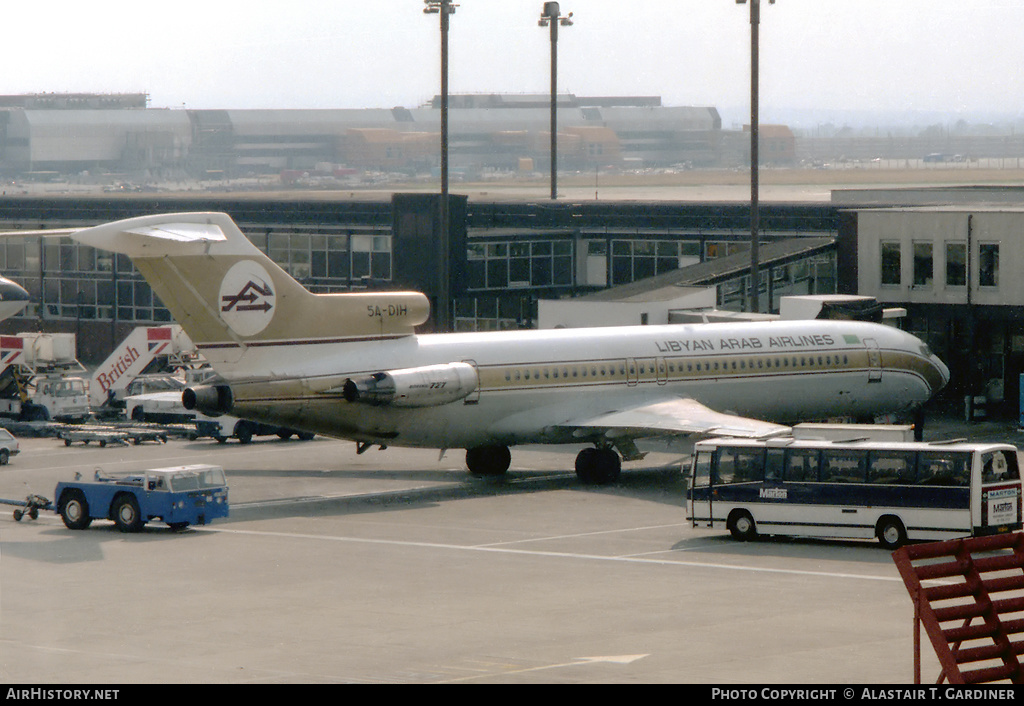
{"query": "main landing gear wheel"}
{"type": "Point", "coordinates": [488, 460]}
{"type": "Point", "coordinates": [598, 466]}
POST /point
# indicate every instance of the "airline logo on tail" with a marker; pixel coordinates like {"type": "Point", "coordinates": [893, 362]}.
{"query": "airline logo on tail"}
{"type": "Point", "coordinates": [247, 298]}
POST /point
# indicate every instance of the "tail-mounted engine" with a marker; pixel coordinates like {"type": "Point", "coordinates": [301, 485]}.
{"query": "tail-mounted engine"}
{"type": "Point", "coordinates": [212, 400]}
{"type": "Point", "coordinates": [427, 386]}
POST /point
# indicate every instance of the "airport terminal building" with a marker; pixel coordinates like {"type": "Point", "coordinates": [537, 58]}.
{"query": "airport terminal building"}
{"type": "Point", "coordinates": [505, 256]}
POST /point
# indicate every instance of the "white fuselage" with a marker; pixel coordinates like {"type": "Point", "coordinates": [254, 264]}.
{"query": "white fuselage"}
{"type": "Point", "coordinates": [534, 384]}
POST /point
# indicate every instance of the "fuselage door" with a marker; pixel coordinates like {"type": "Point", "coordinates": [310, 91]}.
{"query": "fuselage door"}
{"type": "Point", "coordinates": [661, 366]}
{"type": "Point", "coordinates": [874, 360]}
{"type": "Point", "coordinates": [632, 372]}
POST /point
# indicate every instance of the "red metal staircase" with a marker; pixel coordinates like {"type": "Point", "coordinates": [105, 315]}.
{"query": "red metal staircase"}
{"type": "Point", "coordinates": [969, 595]}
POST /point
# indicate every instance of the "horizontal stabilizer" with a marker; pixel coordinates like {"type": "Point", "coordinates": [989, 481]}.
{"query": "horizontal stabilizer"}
{"type": "Point", "coordinates": [173, 234]}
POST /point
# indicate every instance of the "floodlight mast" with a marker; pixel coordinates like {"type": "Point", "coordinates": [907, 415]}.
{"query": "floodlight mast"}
{"type": "Point", "coordinates": [550, 17]}
{"type": "Point", "coordinates": [442, 318]}
{"type": "Point", "coordinates": [755, 275]}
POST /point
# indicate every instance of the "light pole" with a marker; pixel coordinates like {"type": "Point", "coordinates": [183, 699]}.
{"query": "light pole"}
{"type": "Point", "coordinates": [549, 17]}
{"type": "Point", "coordinates": [755, 275]}
{"type": "Point", "coordinates": [444, 8]}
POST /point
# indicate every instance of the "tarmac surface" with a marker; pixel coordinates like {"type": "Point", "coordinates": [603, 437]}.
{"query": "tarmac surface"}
{"type": "Point", "coordinates": [396, 567]}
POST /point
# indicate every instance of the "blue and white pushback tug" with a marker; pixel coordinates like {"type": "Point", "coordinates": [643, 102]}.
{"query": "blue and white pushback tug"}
{"type": "Point", "coordinates": [179, 496]}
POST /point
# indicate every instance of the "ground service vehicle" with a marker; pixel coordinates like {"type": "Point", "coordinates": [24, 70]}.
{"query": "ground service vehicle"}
{"type": "Point", "coordinates": [37, 380]}
{"type": "Point", "coordinates": [227, 427]}
{"type": "Point", "coordinates": [179, 496]}
{"type": "Point", "coordinates": [8, 446]}
{"type": "Point", "coordinates": [895, 491]}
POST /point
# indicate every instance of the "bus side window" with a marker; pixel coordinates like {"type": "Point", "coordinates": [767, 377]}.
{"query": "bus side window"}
{"type": "Point", "coordinates": [739, 465]}
{"type": "Point", "coordinates": [944, 468]}
{"type": "Point", "coordinates": [891, 467]}
{"type": "Point", "coordinates": [773, 464]}
{"type": "Point", "coordinates": [702, 470]}
{"type": "Point", "coordinates": [801, 465]}
{"type": "Point", "coordinates": [843, 465]}
{"type": "Point", "coordinates": [725, 469]}
{"type": "Point", "coordinates": [749, 465]}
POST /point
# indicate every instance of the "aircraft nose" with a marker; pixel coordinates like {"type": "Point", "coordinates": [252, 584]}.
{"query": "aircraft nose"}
{"type": "Point", "coordinates": [942, 372]}
{"type": "Point", "coordinates": [11, 291]}
{"type": "Point", "coordinates": [13, 298]}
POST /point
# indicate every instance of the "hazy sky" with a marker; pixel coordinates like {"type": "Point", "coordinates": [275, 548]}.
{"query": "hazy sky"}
{"type": "Point", "coordinates": [959, 57]}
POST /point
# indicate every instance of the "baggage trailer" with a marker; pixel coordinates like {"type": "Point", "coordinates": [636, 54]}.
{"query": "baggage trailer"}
{"type": "Point", "coordinates": [104, 435]}
{"type": "Point", "coordinates": [178, 496]}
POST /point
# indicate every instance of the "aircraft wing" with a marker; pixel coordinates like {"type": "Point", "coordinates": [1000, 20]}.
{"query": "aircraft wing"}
{"type": "Point", "coordinates": [673, 416]}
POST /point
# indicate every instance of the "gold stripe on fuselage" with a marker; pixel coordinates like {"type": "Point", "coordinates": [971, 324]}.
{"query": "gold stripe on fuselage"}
{"type": "Point", "coordinates": [509, 377]}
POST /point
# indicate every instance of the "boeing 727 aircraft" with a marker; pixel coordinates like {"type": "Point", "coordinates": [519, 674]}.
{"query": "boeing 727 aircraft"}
{"type": "Point", "coordinates": [352, 366]}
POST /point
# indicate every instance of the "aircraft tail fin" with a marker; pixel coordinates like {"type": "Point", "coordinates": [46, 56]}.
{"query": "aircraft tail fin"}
{"type": "Point", "coordinates": [227, 294]}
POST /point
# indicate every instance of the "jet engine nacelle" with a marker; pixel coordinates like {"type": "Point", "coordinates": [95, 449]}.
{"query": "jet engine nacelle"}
{"type": "Point", "coordinates": [212, 400]}
{"type": "Point", "coordinates": [427, 386]}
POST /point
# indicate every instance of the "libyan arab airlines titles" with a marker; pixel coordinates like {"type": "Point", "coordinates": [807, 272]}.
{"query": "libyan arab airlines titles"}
{"type": "Point", "coordinates": [740, 344]}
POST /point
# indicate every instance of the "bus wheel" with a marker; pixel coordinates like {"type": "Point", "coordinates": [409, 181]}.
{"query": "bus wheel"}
{"type": "Point", "coordinates": [742, 526]}
{"type": "Point", "coordinates": [890, 532]}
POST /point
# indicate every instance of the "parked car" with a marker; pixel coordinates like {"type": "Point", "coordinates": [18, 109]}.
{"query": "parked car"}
{"type": "Point", "coordinates": [8, 446]}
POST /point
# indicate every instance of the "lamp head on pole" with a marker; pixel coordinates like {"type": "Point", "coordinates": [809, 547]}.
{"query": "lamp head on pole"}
{"type": "Point", "coordinates": [550, 14]}
{"type": "Point", "coordinates": [434, 7]}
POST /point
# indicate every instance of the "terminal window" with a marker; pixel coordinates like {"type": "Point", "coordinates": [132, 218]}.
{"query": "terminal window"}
{"type": "Point", "coordinates": [988, 264]}
{"type": "Point", "coordinates": [891, 263]}
{"type": "Point", "coordinates": [956, 264]}
{"type": "Point", "coordinates": [923, 264]}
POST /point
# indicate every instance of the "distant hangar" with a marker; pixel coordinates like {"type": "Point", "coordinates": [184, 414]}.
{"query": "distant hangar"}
{"type": "Point", "coordinates": [70, 134]}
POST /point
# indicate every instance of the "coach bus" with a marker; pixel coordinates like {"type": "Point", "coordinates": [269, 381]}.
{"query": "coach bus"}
{"type": "Point", "coordinates": [895, 491]}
